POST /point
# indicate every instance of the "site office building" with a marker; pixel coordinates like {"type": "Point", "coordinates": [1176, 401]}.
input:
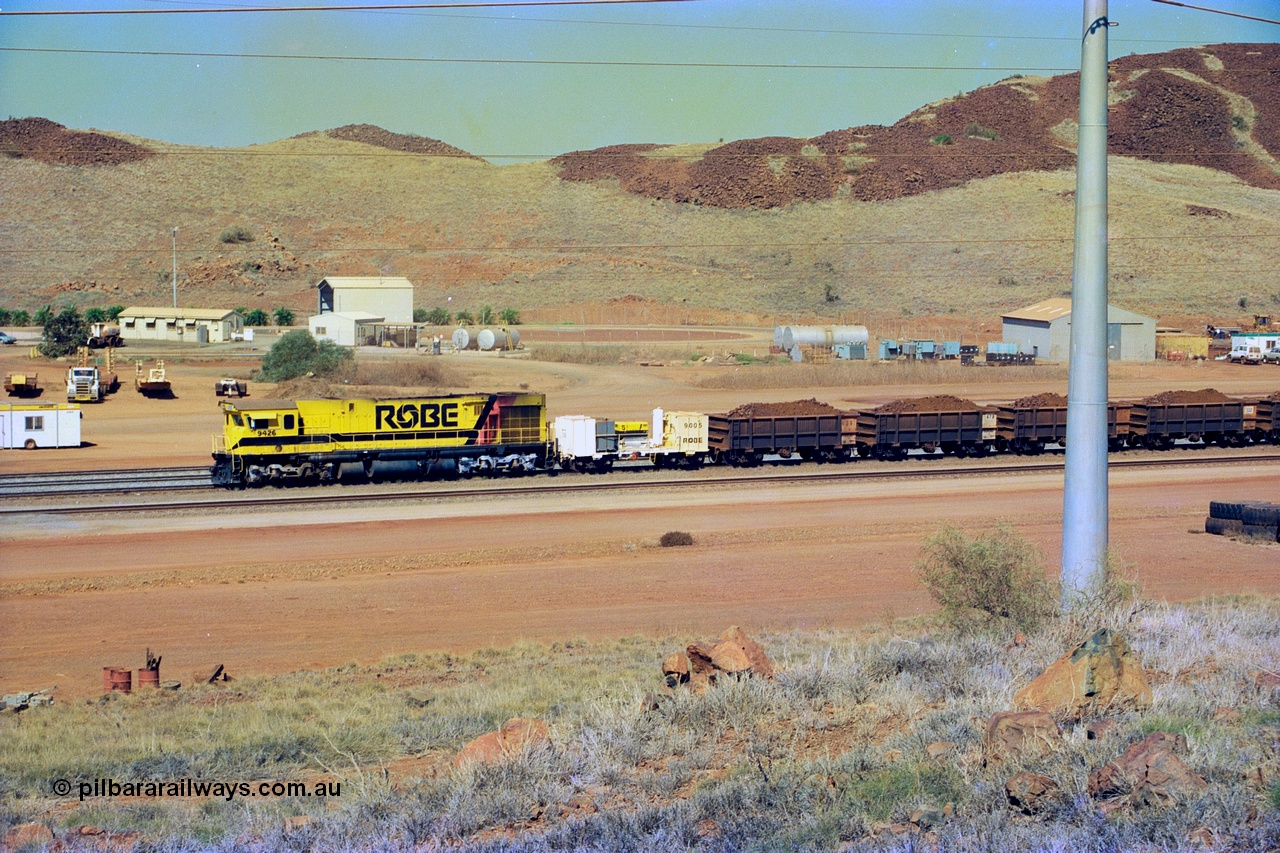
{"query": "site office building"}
{"type": "Point", "coordinates": [1044, 330]}
{"type": "Point", "coordinates": [185, 325]}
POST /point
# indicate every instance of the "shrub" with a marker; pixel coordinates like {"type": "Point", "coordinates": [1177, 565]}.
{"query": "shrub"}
{"type": "Point", "coordinates": [485, 315]}
{"type": "Point", "coordinates": [675, 538]}
{"type": "Point", "coordinates": [64, 332]}
{"type": "Point", "coordinates": [941, 139]}
{"type": "Point", "coordinates": [297, 353]}
{"type": "Point", "coordinates": [993, 579]}
{"type": "Point", "coordinates": [5, 316]}
{"type": "Point", "coordinates": [114, 312]}
{"type": "Point", "coordinates": [509, 317]}
{"type": "Point", "coordinates": [94, 315]}
{"type": "Point", "coordinates": [20, 318]}
{"type": "Point", "coordinates": [438, 317]}
{"type": "Point", "coordinates": [973, 130]}
{"type": "Point", "coordinates": [283, 316]}
{"type": "Point", "coordinates": [43, 315]}
{"type": "Point", "coordinates": [464, 318]}
{"type": "Point", "coordinates": [419, 315]}
{"type": "Point", "coordinates": [256, 317]}
{"type": "Point", "coordinates": [235, 234]}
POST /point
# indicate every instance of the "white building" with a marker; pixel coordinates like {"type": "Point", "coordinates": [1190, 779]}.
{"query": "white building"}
{"type": "Point", "coordinates": [345, 328]}
{"type": "Point", "coordinates": [184, 325]}
{"type": "Point", "coordinates": [32, 425]}
{"type": "Point", "coordinates": [389, 297]}
{"type": "Point", "coordinates": [1044, 330]}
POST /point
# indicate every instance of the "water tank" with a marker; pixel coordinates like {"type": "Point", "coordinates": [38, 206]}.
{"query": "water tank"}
{"type": "Point", "coordinates": [777, 335]}
{"type": "Point", "coordinates": [823, 336]}
{"type": "Point", "coordinates": [484, 340]}
{"type": "Point", "coordinates": [462, 339]}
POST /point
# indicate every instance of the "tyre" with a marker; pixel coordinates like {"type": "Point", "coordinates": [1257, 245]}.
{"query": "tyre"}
{"type": "Point", "coordinates": [1260, 532]}
{"type": "Point", "coordinates": [1223, 526]}
{"type": "Point", "coordinates": [1267, 515]}
{"type": "Point", "coordinates": [1228, 509]}
{"type": "Point", "coordinates": [29, 444]}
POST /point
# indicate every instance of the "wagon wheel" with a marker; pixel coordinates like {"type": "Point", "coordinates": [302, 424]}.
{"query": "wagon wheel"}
{"type": "Point", "coordinates": [29, 444]}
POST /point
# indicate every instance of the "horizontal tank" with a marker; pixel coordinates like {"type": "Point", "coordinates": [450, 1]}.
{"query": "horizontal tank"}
{"type": "Point", "coordinates": [778, 332]}
{"type": "Point", "coordinates": [462, 339]}
{"type": "Point", "coordinates": [503, 339]}
{"type": "Point", "coordinates": [823, 336]}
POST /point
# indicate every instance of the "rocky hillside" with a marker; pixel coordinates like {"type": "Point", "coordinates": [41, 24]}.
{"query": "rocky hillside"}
{"type": "Point", "coordinates": [962, 208]}
{"type": "Point", "coordinates": [1216, 106]}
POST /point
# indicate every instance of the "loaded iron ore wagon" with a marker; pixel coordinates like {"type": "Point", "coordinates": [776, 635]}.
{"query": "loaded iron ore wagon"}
{"type": "Point", "coordinates": [309, 440]}
{"type": "Point", "coordinates": [1207, 415]}
{"type": "Point", "coordinates": [805, 428]}
{"type": "Point", "coordinates": [930, 424]}
{"type": "Point", "coordinates": [1028, 424]}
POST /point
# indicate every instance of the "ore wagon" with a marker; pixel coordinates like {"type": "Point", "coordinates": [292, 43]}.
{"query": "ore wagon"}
{"type": "Point", "coordinates": [806, 428]}
{"type": "Point", "coordinates": [1206, 415]}
{"type": "Point", "coordinates": [1028, 424]}
{"type": "Point", "coordinates": [931, 424]}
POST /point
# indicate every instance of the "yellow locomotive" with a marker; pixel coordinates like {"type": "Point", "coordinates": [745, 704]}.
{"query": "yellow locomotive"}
{"type": "Point", "coordinates": [308, 440]}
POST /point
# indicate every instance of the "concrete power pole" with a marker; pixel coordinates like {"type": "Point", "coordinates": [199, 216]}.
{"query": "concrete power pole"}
{"type": "Point", "coordinates": [1084, 504]}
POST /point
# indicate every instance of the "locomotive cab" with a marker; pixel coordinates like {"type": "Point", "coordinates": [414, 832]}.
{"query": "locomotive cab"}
{"type": "Point", "coordinates": [258, 423]}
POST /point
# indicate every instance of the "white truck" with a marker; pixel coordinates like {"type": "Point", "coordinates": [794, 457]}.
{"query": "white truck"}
{"type": "Point", "coordinates": [104, 335]}
{"type": "Point", "coordinates": [88, 385]}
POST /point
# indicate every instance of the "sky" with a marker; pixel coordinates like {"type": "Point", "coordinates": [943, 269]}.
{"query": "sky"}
{"type": "Point", "coordinates": [534, 82]}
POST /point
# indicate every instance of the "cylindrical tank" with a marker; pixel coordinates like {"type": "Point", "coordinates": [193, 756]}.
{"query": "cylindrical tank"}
{"type": "Point", "coordinates": [778, 332]}
{"type": "Point", "coordinates": [462, 339]}
{"type": "Point", "coordinates": [503, 339]}
{"type": "Point", "coordinates": [148, 678]}
{"type": "Point", "coordinates": [823, 336]}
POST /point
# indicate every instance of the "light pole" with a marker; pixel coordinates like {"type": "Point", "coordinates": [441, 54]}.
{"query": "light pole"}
{"type": "Point", "coordinates": [175, 266]}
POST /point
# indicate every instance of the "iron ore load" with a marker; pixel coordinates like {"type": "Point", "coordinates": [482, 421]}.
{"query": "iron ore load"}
{"type": "Point", "coordinates": [508, 433]}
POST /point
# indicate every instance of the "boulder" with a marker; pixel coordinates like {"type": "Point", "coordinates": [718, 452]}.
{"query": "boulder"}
{"type": "Point", "coordinates": [730, 658]}
{"type": "Point", "coordinates": [1030, 793]}
{"type": "Point", "coordinates": [1149, 773]}
{"type": "Point", "coordinates": [753, 651]}
{"type": "Point", "coordinates": [1099, 729]}
{"type": "Point", "coordinates": [1013, 734]}
{"type": "Point", "coordinates": [1100, 674]}
{"type": "Point", "coordinates": [515, 736]}
{"type": "Point", "coordinates": [27, 836]}
{"type": "Point", "coordinates": [700, 655]}
{"type": "Point", "coordinates": [675, 669]}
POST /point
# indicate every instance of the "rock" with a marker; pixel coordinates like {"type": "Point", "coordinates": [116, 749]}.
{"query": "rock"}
{"type": "Point", "coordinates": [1148, 774]}
{"type": "Point", "coordinates": [675, 669]}
{"type": "Point", "coordinates": [892, 756]}
{"type": "Point", "coordinates": [486, 749]}
{"type": "Point", "coordinates": [1012, 734]}
{"type": "Point", "coordinates": [700, 655]}
{"type": "Point", "coordinates": [515, 736]}
{"type": "Point", "coordinates": [1203, 836]}
{"type": "Point", "coordinates": [927, 817]}
{"type": "Point", "coordinates": [730, 658]}
{"type": "Point", "coordinates": [27, 836]}
{"type": "Point", "coordinates": [1030, 792]}
{"type": "Point", "coordinates": [938, 749]}
{"type": "Point", "coordinates": [760, 663]}
{"type": "Point", "coordinates": [297, 823]}
{"type": "Point", "coordinates": [1099, 729]}
{"type": "Point", "coordinates": [1100, 673]}
{"type": "Point", "coordinates": [521, 732]}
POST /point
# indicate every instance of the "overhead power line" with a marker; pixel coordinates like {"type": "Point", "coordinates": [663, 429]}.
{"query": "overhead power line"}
{"type": "Point", "coordinates": [768, 66]}
{"type": "Point", "coordinates": [1217, 11]}
{"type": "Point", "coordinates": [370, 7]}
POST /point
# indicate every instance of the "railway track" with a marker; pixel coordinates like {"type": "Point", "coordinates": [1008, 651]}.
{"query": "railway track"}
{"type": "Point", "coordinates": [312, 496]}
{"type": "Point", "coordinates": [103, 482]}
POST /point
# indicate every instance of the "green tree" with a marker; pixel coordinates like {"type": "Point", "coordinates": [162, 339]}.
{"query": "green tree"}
{"type": "Point", "coordinates": [283, 316]}
{"type": "Point", "coordinates": [5, 316]}
{"type": "Point", "coordinates": [241, 310]}
{"type": "Point", "coordinates": [256, 317]}
{"type": "Point", "coordinates": [114, 312]}
{"type": "Point", "coordinates": [485, 315]}
{"type": "Point", "coordinates": [64, 332]}
{"type": "Point", "coordinates": [464, 318]}
{"type": "Point", "coordinates": [95, 315]}
{"type": "Point", "coordinates": [509, 317]}
{"type": "Point", "coordinates": [20, 318]}
{"type": "Point", "coordinates": [439, 317]}
{"type": "Point", "coordinates": [297, 353]}
{"type": "Point", "coordinates": [43, 315]}
{"type": "Point", "coordinates": [992, 579]}
{"type": "Point", "coordinates": [419, 315]}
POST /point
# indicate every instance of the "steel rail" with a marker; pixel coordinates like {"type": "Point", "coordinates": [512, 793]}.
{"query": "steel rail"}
{"type": "Point", "coordinates": [590, 483]}
{"type": "Point", "coordinates": [98, 482]}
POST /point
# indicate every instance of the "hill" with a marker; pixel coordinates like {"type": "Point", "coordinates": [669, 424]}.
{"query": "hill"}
{"type": "Point", "coordinates": [962, 209]}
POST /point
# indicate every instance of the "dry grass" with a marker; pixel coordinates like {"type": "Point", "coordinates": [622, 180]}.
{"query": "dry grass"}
{"type": "Point", "coordinates": [832, 749]}
{"type": "Point", "coordinates": [859, 373]}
